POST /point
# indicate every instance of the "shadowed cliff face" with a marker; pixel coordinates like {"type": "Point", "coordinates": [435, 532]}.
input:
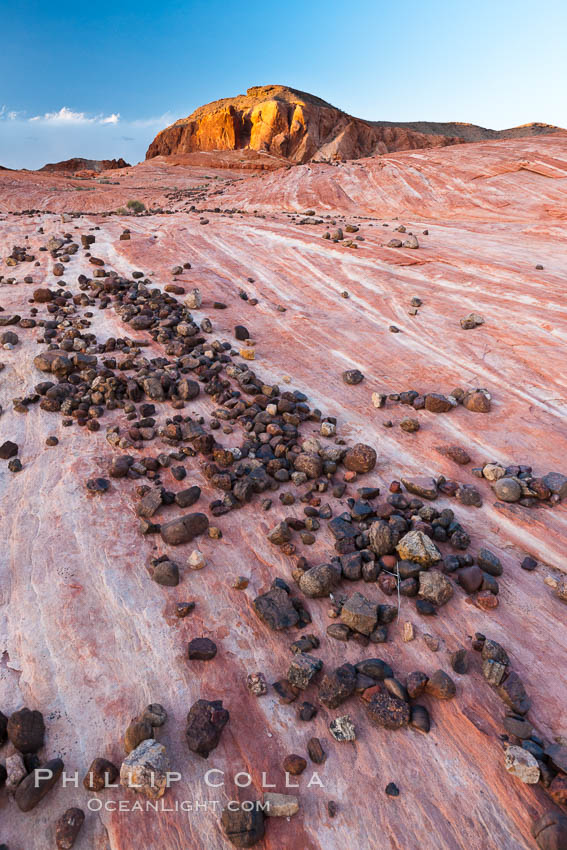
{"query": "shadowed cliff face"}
{"type": "Point", "coordinates": [287, 123]}
{"type": "Point", "coordinates": [87, 636]}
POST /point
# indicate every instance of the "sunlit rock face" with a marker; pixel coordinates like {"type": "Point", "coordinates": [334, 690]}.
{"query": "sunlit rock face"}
{"type": "Point", "coordinates": [88, 637]}
{"type": "Point", "coordinates": [287, 123]}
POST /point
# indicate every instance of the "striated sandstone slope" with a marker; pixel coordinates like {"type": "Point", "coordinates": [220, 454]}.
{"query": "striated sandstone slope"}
{"type": "Point", "coordinates": [89, 639]}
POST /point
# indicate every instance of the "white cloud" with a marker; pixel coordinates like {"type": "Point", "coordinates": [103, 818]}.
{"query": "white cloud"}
{"type": "Point", "coordinates": [30, 142]}
{"type": "Point", "coordinates": [68, 116]}
{"type": "Point", "coordinates": [11, 115]}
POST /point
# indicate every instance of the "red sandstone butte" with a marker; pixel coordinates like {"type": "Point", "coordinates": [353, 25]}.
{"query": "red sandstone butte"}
{"type": "Point", "coordinates": [90, 640]}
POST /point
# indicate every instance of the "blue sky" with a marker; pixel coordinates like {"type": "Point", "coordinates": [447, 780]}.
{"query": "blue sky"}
{"type": "Point", "coordinates": [100, 79]}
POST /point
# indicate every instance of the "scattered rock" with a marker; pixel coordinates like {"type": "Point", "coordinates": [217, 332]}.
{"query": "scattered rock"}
{"type": "Point", "coordinates": [184, 529]}
{"type": "Point", "coordinates": [26, 729]}
{"type": "Point", "coordinates": [302, 670]}
{"type": "Point", "coordinates": [137, 731]}
{"type": "Point", "coordinates": [473, 320]}
{"type": "Point", "coordinates": [352, 376]}
{"type": "Point", "coordinates": [37, 784]}
{"type": "Point", "coordinates": [342, 728]}
{"type": "Point", "coordinates": [205, 722]}
{"type": "Point", "coordinates": [101, 774]}
{"type": "Point", "coordinates": [360, 458]}
{"type": "Point", "coordinates": [280, 805]}
{"type": "Point", "coordinates": [435, 587]}
{"type": "Point", "coordinates": [243, 828]}
{"type": "Point", "coordinates": [8, 450]}
{"type": "Point", "coordinates": [522, 764]}
{"type": "Point", "coordinates": [418, 547]}
{"type": "Point", "coordinates": [68, 827]}
{"type": "Point", "coordinates": [294, 764]}
{"type": "Point", "coordinates": [337, 686]}
{"type": "Point", "coordinates": [440, 685]}
{"type": "Point", "coordinates": [155, 714]}
{"type": "Point", "coordinates": [202, 649]}
{"type": "Point", "coordinates": [388, 712]}
{"type": "Point", "coordinates": [276, 609]}
{"type": "Point", "coordinates": [360, 614]}
{"type": "Point", "coordinates": [315, 750]}
{"type": "Point", "coordinates": [319, 581]}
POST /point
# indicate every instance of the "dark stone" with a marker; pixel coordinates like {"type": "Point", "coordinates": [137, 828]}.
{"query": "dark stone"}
{"type": "Point", "coordinates": [188, 497]}
{"type": "Point", "coordinates": [68, 827]}
{"type": "Point", "coordinates": [375, 668]}
{"type": "Point", "coordinates": [342, 529]}
{"type": "Point", "coordinates": [469, 496]}
{"type": "Point", "coordinates": [202, 649]}
{"type": "Point", "coordinates": [425, 608]}
{"type": "Point", "coordinates": [470, 578]}
{"type": "Point", "coordinates": [420, 719]}
{"type": "Point", "coordinates": [459, 661]}
{"type": "Point", "coordinates": [353, 376]}
{"type": "Point", "coordinates": [155, 714]}
{"type": "Point", "coordinates": [488, 562]}
{"type": "Point", "coordinates": [280, 534]}
{"type": "Point", "coordinates": [528, 564]}
{"type": "Point", "coordinates": [100, 775]}
{"type": "Point", "coordinates": [437, 403]}
{"type": "Point", "coordinates": [166, 573]}
{"type": "Point", "coordinates": [119, 466]}
{"type": "Point", "coordinates": [316, 751]}
{"type": "Point", "coordinates": [388, 711]}
{"type": "Point", "coordinates": [33, 788]}
{"type": "Point", "coordinates": [517, 726]}
{"type": "Point", "coordinates": [310, 464]}
{"type": "Point", "coordinates": [276, 609]}
{"type": "Point", "coordinates": [360, 458]}
{"type": "Point", "coordinates": [392, 790]}
{"type": "Point", "coordinates": [241, 332]}
{"type": "Point", "coordinates": [415, 684]}
{"type": "Point", "coordinates": [440, 685]}
{"type": "Point", "coordinates": [3, 728]}
{"type": "Point", "coordinates": [306, 711]}
{"type": "Point", "coordinates": [205, 722]}
{"type": "Point", "coordinates": [513, 693]}
{"type": "Point", "coordinates": [396, 689]}
{"type": "Point", "coordinates": [337, 686]}
{"type": "Point", "coordinates": [286, 691]}
{"type": "Point", "coordinates": [243, 829]}
{"type": "Point", "coordinates": [183, 529]}
{"type": "Point", "coordinates": [294, 764]}
{"type": "Point", "coordinates": [557, 754]}
{"type": "Point", "coordinates": [351, 565]}
{"type": "Point", "coordinates": [492, 651]}
{"type": "Point", "coordinates": [8, 450]}
{"type": "Point", "coordinates": [188, 390]}
{"type": "Point", "coordinates": [26, 730]}
{"type": "Point", "coordinates": [149, 504]}
{"type": "Point", "coordinates": [339, 631]}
